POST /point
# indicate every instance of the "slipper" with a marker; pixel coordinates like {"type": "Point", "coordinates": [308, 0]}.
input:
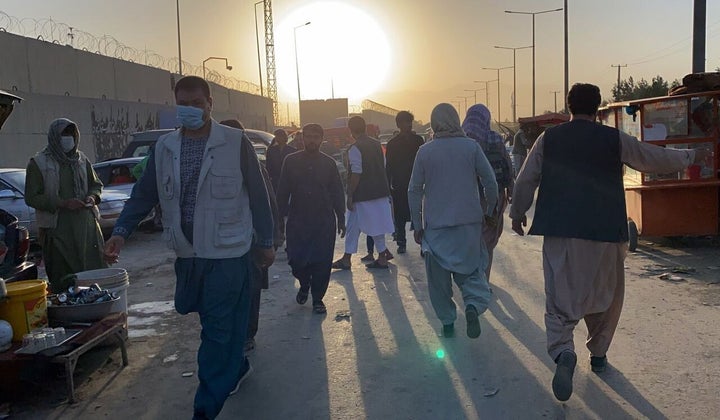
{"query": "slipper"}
{"type": "Point", "coordinates": [368, 258]}
{"type": "Point", "coordinates": [301, 297]}
{"type": "Point", "coordinates": [388, 255]}
{"type": "Point", "coordinates": [340, 265]}
{"type": "Point", "coordinates": [319, 308]}
{"type": "Point", "coordinates": [376, 264]}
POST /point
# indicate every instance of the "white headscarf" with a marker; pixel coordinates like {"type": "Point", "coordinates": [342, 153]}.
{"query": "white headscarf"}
{"type": "Point", "coordinates": [445, 122]}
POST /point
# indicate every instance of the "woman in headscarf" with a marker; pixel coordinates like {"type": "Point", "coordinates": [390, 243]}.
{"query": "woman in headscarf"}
{"type": "Point", "coordinates": [63, 188]}
{"type": "Point", "coordinates": [448, 218]}
{"type": "Point", "coordinates": [477, 127]}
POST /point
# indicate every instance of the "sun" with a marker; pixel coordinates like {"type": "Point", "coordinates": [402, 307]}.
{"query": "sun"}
{"type": "Point", "coordinates": [342, 50]}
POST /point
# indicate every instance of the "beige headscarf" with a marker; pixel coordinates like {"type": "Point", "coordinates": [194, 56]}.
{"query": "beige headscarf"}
{"type": "Point", "coordinates": [445, 122]}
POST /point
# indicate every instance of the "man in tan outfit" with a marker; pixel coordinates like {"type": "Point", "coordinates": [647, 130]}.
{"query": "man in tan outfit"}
{"type": "Point", "coordinates": [580, 210]}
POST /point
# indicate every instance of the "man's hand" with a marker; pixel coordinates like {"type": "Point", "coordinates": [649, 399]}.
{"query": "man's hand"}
{"type": "Point", "coordinates": [418, 234]}
{"type": "Point", "coordinates": [112, 249]}
{"type": "Point", "coordinates": [265, 257]}
{"type": "Point", "coordinates": [517, 225]}
{"type": "Point", "coordinates": [342, 230]}
{"type": "Point", "coordinates": [350, 205]}
{"type": "Point", "coordinates": [72, 204]}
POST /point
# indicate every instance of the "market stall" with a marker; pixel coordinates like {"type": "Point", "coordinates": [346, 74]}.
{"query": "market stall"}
{"type": "Point", "coordinates": [680, 203]}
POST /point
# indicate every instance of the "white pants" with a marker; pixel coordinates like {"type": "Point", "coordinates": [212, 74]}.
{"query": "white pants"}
{"type": "Point", "coordinates": [352, 235]}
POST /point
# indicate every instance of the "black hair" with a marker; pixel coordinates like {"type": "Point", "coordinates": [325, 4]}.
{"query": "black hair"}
{"type": "Point", "coordinates": [314, 127]}
{"type": "Point", "coordinates": [583, 99]}
{"type": "Point", "coordinates": [357, 125]}
{"type": "Point", "coordinates": [191, 83]}
{"type": "Point", "coordinates": [404, 116]}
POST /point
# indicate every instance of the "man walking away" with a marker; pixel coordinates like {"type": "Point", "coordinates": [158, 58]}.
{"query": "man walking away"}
{"type": "Point", "coordinates": [368, 196]}
{"type": "Point", "coordinates": [399, 158]}
{"type": "Point", "coordinates": [63, 188]}
{"type": "Point", "coordinates": [207, 179]}
{"type": "Point", "coordinates": [311, 196]}
{"type": "Point", "coordinates": [580, 211]}
{"type": "Point", "coordinates": [477, 127]}
{"type": "Point", "coordinates": [448, 218]}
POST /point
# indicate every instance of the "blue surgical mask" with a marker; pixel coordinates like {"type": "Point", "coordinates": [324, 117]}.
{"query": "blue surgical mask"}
{"type": "Point", "coordinates": [190, 117]}
{"type": "Point", "coordinates": [67, 143]}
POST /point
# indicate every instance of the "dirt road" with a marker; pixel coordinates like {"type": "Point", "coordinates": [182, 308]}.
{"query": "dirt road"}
{"type": "Point", "coordinates": [377, 353]}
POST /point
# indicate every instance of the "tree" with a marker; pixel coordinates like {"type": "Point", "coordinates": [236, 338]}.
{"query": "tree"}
{"type": "Point", "coordinates": [629, 89]}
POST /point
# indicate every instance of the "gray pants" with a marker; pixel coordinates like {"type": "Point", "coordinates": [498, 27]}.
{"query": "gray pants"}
{"type": "Point", "coordinates": [474, 288]}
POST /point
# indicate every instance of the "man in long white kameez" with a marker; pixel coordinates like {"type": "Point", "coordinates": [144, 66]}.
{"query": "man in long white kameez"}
{"type": "Point", "coordinates": [580, 211]}
{"type": "Point", "coordinates": [368, 197]}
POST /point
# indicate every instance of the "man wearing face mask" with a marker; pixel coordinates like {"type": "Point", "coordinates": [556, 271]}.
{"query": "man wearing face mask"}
{"type": "Point", "coordinates": [207, 180]}
{"type": "Point", "coordinates": [63, 188]}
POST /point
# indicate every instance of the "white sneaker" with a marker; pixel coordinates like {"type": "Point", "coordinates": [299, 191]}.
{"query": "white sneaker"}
{"type": "Point", "coordinates": [242, 379]}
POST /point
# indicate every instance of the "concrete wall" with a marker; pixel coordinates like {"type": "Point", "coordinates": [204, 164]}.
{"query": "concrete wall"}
{"type": "Point", "coordinates": [386, 122]}
{"type": "Point", "coordinates": [107, 97]}
{"type": "Point", "coordinates": [323, 111]}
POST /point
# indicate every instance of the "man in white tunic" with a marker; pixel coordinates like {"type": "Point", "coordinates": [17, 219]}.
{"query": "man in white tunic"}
{"type": "Point", "coordinates": [446, 210]}
{"type": "Point", "coordinates": [368, 197]}
{"type": "Point", "coordinates": [580, 211]}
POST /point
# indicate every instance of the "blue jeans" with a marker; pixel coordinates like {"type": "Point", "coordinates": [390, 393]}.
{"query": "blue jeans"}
{"type": "Point", "coordinates": [219, 291]}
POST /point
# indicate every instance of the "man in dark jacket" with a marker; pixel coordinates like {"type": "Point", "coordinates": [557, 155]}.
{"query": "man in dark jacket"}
{"type": "Point", "coordinates": [399, 159]}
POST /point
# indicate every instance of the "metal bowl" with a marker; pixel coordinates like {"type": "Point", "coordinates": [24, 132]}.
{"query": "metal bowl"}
{"type": "Point", "coordinates": [88, 312]}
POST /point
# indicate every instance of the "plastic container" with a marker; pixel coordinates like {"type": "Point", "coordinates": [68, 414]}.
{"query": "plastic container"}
{"type": "Point", "coordinates": [25, 307]}
{"type": "Point", "coordinates": [115, 280]}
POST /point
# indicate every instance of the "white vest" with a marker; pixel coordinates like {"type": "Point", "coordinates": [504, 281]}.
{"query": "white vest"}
{"type": "Point", "coordinates": [222, 226]}
{"type": "Point", "coordinates": [50, 170]}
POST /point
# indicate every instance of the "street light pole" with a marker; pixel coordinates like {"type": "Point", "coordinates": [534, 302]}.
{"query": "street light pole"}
{"type": "Point", "coordinates": [533, 44]}
{"type": "Point", "coordinates": [555, 92]}
{"type": "Point", "coordinates": [177, 8]}
{"type": "Point", "coordinates": [487, 90]}
{"type": "Point", "coordinates": [474, 91]}
{"type": "Point", "coordinates": [257, 39]}
{"type": "Point", "coordinates": [297, 66]}
{"type": "Point", "coordinates": [227, 65]}
{"type": "Point", "coordinates": [514, 50]}
{"type": "Point", "coordinates": [498, 83]}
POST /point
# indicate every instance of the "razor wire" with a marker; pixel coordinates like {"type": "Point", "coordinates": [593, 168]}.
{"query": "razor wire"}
{"type": "Point", "coordinates": [59, 33]}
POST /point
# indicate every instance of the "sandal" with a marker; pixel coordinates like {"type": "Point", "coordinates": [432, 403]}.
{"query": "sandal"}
{"type": "Point", "coordinates": [340, 265]}
{"type": "Point", "coordinates": [376, 264]}
{"type": "Point", "coordinates": [319, 307]}
{"type": "Point", "coordinates": [368, 258]}
{"type": "Point", "coordinates": [301, 297]}
{"type": "Point", "coordinates": [388, 256]}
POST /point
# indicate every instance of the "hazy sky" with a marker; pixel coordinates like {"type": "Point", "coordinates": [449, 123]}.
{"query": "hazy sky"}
{"type": "Point", "coordinates": [408, 54]}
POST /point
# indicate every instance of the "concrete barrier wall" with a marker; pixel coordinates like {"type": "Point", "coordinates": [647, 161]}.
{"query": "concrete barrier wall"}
{"type": "Point", "coordinates": [107, 97]}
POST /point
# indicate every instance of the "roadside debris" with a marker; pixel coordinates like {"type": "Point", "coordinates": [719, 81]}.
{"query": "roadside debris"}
{"type": "Point", "coordinates": [679, 269]}
{"type": "Point", "coordinates": [342, 315]}
{"type": "Point", "coordinates": [187, 374]}
{"type": "Point", "coordinates": [670, 277]}
{"type": "Point", "coordinates": [491, 392]}
{"type": "Point", "coordinates": [171, 358]}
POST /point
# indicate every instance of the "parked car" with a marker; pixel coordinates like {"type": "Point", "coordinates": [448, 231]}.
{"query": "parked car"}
{"type": "Point", "coordinates": [143, 141]}
{"type": "Point", "coordinates": [116, 176]}
{"type": "Point", "coordinates": [14, 249]}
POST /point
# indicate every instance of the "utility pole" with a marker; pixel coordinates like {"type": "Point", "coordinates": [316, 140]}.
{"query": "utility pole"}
{"type": "Point", "coordinates": [177, 8]}
{"type": "Point", "coordinates": [555, 92]}
{"type": "Point", "coordinates": [474, 91]}
{"type": "Point", "coordinates": [567, 66]}
{"type": "Point", "coordinates": [619, 66]}
{"type": "Point", "coordinates": [699, 29]}
{"type": "Point", "coordinates": [270, 59]}
{"type": "Point", "coordinates": [487, 82]}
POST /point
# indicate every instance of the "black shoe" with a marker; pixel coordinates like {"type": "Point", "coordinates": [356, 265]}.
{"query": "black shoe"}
{"type": "Point", "coordinates": [473, 323]}
{"type": "Point", "coordinates": [368, 258]}
{"type": "Point", "coordinates": [319, 307]}
{"type": "Point", "coordinates": [448, 330]}
{"type": "Point", "coordinates": [301, 297]}
{"type": "Point", "coordinates": [598, 364]}
{"type": "Point", "coordinates": [401, 249]}
{"type": "Point", "coordinates": [562, 385]}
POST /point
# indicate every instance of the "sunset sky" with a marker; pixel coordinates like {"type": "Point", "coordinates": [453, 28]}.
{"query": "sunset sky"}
{"type": "Point", "coordinates": [407, 54]}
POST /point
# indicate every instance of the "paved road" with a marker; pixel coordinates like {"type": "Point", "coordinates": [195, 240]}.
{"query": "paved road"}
{"type": "Point", "coordinates": [386, 360]}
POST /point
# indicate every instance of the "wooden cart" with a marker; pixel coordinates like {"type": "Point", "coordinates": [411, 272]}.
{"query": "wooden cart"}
{"type": "Point", "coordinates": [680, 203]}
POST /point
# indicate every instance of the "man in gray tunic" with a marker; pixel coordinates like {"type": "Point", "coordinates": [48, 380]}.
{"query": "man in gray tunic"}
{"type": "Point", "coordinates": [580, 211]}
{"type": "Point", "coordinates": [446, 172]}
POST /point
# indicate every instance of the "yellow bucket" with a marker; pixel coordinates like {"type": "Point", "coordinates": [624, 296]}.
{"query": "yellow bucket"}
{"type": "Point", "coordinates": [25, 307]}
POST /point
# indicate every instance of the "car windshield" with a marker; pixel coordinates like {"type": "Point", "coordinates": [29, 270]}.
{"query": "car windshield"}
{"type": "Point", "coordinates": [16, 179]}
